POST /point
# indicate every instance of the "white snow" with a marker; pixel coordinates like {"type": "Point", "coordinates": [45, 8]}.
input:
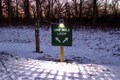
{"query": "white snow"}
{"type": "Point", "coordinates": [95, 55]}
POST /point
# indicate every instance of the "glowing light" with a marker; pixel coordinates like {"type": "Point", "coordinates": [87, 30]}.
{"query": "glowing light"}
{"type": "Point", "coordinates": [61, 25]}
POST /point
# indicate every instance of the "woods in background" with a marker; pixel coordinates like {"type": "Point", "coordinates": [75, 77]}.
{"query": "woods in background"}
{"type": "Point", "coordinates": [81, 12]}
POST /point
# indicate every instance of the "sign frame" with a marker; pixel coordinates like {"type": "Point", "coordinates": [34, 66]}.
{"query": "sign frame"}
{"type": "Point", "coordinates": [61, 36]}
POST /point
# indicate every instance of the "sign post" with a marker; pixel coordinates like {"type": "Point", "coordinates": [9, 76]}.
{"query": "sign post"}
{"type": "Point", "coordinates": [61, 36]}
{"type": "Point", "coordinates": [61, 53]}
{"type": "Point", "coordinates": [37, 37]}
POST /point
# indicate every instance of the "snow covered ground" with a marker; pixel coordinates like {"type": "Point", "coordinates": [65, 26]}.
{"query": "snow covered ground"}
{"type": "Point", "coordinates": [95, 55]}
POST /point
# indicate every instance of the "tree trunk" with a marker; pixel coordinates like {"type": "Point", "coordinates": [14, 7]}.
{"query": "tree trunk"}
{"type": "Point", "coordinates": [67, 11]}
{"type": "Point", "coordinates": [49, 10]}
{"type": "Point", "coordinates": [76, 11]}
{"type": "Point", "coordinates": [59, 11]}
{"type": "Point", "coordinates": [9, 10]}
{"type": "Point", "coordinates": [26, 6]}
{"type": "Point", "coordinates": [94, 12]}
{"type": "Point", "coordinates": [38, 9]}
{"type": "Point", "coordinates": [52, 4]}
{"type": "Point", "coordinates": [17, 13]}
{"type": "Point", "coordinates": [0, 11]}
{"type": "Point", "coordinates": [80, 9]}
{"type": "Point", "coordinates": [105, 12]}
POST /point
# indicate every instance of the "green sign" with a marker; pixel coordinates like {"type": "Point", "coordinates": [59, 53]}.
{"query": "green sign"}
{"type": "Point", "coordinates": [61, 36]}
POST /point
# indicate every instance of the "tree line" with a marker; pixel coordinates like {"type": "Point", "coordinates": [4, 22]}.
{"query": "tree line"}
{"type": "Point", "coordinates": [82, 12]}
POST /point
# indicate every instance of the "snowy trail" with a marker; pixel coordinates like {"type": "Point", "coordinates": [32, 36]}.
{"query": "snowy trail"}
{"type": "Point", "coordinates": [35, 70]}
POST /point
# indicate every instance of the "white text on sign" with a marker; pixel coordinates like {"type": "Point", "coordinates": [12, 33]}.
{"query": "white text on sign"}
{"type": "Point", "coordinates": [61, 33]}
{"type": "Point", "coordinates": [65, 30]}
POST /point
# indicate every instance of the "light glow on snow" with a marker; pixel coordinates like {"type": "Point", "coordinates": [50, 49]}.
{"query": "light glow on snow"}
{"type": "Point", "coordinates": [56, 72]}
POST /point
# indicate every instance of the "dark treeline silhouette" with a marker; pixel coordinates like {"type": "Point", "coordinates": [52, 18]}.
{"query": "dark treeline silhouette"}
{"type": "Point", "coordinates": [94, 13]}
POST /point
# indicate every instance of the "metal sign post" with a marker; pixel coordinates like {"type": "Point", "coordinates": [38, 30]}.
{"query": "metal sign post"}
{"type": "Point", "coordinates": [37, 37]}
{"type": "Point", "coordinates": [61, 36]}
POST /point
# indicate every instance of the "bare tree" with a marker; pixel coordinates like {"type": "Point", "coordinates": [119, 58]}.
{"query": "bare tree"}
{"type": "Point", "coordinates": [9, 10]}
{"type": "Point", "coordinates": [52, 7]}
{"type": "Point", "coordinates": [38, 8]}
{"type": "Point", "coordinates": [94, 11]}
{"type": "Point", "coordinates": [115, 6]}
{"type": "Point", "coordinates": [87, 10]}
{"type": "Point", "coordinates": [17, 8]}
{"type": "Point", "coordinates": [80, 8]}
{"type": "Point", "coordinates": [49, 9]}
{"type": "Point", "coordinates": [75, 8]}
{"type": "Point", "coordinates": [66, 9]}
{"type": "Point", "coordinates": [105, 6]}
{"type": "Point", "coordinates": [0, 10]}
{"type": "Point", "coordinates": [26, 9]}
{"type": "Point", "coordinates": [59, 9]}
